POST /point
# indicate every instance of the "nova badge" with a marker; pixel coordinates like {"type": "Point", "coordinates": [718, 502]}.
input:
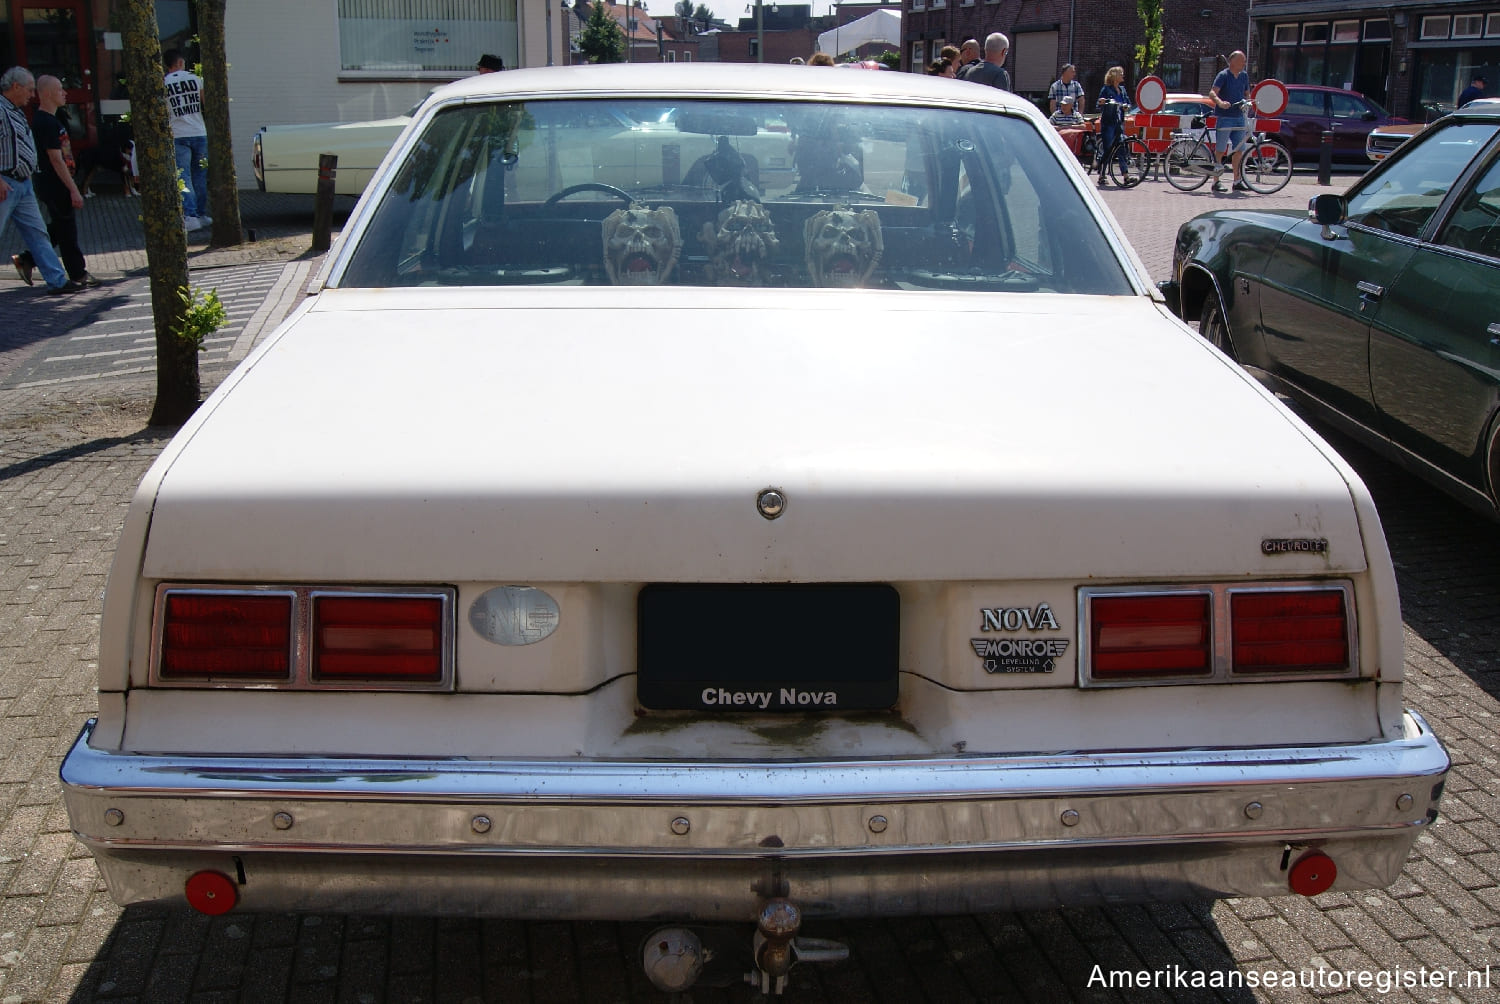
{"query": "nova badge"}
{"type": "Point", "coordinates": [1018, 618]}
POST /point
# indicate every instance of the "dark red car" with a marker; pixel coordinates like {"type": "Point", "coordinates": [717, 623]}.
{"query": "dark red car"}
{"type": "Point", "coordinates": [1311, 109]}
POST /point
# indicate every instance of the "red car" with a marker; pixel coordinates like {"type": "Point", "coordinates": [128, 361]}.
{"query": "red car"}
{"type": "Point", "coordinates": [1311, 109]}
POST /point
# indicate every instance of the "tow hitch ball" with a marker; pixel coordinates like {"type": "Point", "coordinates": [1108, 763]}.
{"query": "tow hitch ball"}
{"type": "Point", "coordinates": [778, 949]}
{"type": "Point", "coordinates": [674, 957]}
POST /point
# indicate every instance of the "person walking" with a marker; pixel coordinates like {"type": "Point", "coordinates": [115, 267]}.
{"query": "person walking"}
{"type": "Point", "coordinates": [1063, 88]}
{"type": "Point", "coordinates": [189, 138]}
{"type": "Point", "coordinates": [1230, 88]}
{"type": "Point", "coordinates": [17, 192]}
{"type": "Point", "coordinates": [968, 55]}
{"type": "Point", "coordinates": [54, 183]}
{"type": "Point", "coordinates": [991, 70]}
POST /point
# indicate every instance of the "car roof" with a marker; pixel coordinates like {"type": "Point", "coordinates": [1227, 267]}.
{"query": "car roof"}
{"type": "Point", "coordinates": [1323, 87]}
{"type": "Point", "coordinates": [732, 80]}
{"type": "Point", "coordinates": [1480, 108]}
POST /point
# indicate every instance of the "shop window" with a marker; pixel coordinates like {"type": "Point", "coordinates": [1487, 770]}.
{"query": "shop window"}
{"type": "Point", "coordinates": [1312, 33]}
{"type": "Point", "coordinates": [1286, 34]}
{"type": "Point", "coordinates": [1346, 31]}
{"type": "Point", "coordinates": [1378, 29]}
{"type": "Point", "coordinates": [1435, 26]}
{"type": "Point", "coordinates": [1467, 25]}
{"type": "Point", "coordinates": [424, 36]}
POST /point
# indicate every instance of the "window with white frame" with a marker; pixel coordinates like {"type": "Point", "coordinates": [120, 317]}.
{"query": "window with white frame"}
{"type": "Point", "coordinates": [1467, 25]}
{"type": "Point", "coordinates": [687, 56]}
{"type": "Point", "coordinates": [1435, 26]}
{"type": "Point", "coordinates": [1316, 32]}
{"type": "Point", "coordinates": [1346, 31]}
{"type": "Point", "coordinates": [918, 56]}
{"type": "Point", "coordinates": [424, 37]}
{"type": "Point", "coordinates": [1492, 26]}
{"type": "Point", "coordinates": [1286, 34]}
{"type": "Point", "coordinates": [1378, 29]}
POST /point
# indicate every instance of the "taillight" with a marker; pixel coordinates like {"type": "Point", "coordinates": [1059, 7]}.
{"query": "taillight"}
{"type": "Point", "coordinates": [1289, 631]}
{"type": "Point", "coordinates": [381, 638]}
{"type": "Point", "coordinates": [1148, 636]}
{"type": "Point", "coordinates": [238, 635]}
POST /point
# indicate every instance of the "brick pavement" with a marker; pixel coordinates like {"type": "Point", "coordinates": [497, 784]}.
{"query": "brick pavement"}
{"type": "Point", "coordinates": [69, 459]}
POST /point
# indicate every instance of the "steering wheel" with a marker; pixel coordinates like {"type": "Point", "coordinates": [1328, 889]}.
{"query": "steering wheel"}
{"type": "Point", "coordinates": [589, 186]}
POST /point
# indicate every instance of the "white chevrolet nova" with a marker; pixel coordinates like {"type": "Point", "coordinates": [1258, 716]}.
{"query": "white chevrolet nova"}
{"type": "Point", "coordinates": [817, 514]}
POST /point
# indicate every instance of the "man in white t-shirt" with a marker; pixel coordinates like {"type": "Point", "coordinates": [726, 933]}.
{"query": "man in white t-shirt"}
{"type": "Point", "coordinates": [189, 138]}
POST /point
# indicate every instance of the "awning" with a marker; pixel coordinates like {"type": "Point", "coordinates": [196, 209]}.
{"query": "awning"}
{"type": "Point", "coordinates": [880, 26]}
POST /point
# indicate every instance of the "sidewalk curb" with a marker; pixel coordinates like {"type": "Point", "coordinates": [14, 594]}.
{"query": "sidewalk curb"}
{"type": "Point", "coordinates": [284, 296]}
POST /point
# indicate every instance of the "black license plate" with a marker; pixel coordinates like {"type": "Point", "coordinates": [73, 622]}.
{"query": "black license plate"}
{"type": "Point", "coordinates": [754, 649]}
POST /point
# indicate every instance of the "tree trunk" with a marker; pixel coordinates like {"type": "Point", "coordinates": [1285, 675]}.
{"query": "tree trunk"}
{"type": "Point", "coordinates": [161, 212]}
{"type": "Point", "coordinates": [223, 188]}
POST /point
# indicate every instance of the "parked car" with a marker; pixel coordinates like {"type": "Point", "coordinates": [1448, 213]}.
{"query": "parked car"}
{"type": "Point", "coordinates": [1383, 140]}
{"type": "Point", "coordinates": [1311, 110]}
{"type": "Point", "coordinates": [284, 158]}
{"type": "Point", "coordinates": [698, 542]}
{"type": "Point", "coordinates": [1380, 314]}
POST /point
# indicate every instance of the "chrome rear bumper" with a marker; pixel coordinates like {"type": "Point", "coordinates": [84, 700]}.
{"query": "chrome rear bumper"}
{"type": "Point", "coordinates": [612, 840]}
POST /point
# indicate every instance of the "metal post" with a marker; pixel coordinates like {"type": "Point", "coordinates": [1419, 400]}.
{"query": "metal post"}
{"type": "Point", "coordinates": [1325, 159]}
{"type": "Point", "coordinates": [328, 165]}
{"type": "Point", "coordinates": [760, 33]}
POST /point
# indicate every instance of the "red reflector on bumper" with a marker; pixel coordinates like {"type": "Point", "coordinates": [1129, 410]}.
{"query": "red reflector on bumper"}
{"type": "Point", "coordinates": [1290, 631]}
{"type": "Point", "coordinates": [1143, 636]}
{"type": "Point", "coordinates": [381, 638]}
{"type": "Point", "coordinates": [238, 635]}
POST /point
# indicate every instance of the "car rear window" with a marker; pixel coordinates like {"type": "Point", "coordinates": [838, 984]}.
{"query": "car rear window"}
{"type": "Point", "coordinates": [733, 193]}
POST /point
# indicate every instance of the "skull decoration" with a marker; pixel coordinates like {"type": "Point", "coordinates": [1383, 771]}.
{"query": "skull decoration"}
{"type": "Point", "coordinates": [740, 250]}
{"type": "Point", "coordinates": [641, 245]}
{"type": "Point", "coordinates": [843, 246]}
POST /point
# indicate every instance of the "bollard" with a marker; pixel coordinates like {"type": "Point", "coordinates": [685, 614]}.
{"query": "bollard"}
{"type": "Point", "coordinates": [328, 166]}
{"type": "Point", "coordinates": [1325, 159]}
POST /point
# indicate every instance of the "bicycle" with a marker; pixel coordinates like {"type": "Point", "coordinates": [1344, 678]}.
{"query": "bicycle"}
{"type": "Point", "coordinates": [1128, 159]}
{"type": "Point", "coordinates": [1265, 164]}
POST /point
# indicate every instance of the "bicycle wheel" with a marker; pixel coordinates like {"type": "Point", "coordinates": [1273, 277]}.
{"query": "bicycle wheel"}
{"type": "Point", "coordinates": [1187, 164]}
{"type": "Point", "coordinates": [1129, 161]}
{"type": "Point", "coordinates": [1268, 167]}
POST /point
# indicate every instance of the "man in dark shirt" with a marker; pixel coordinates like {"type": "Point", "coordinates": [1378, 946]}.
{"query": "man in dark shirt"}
{"type": "Point", "coordinates": [1473, 92]}
{"type": "Point", "coordinates": [991, 71]}
{"type": "Point", "coordinates": [17, 193]}
{"type": "Point", "coordinates": [55, 187]}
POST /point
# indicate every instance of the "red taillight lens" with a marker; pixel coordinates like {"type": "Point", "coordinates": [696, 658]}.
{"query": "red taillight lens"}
{"type": "Point", "coordinates": [1289, 632]}
{"type": "Point", "coordinates": [381, 638]}
{"type": "Point", "coordinates": [1141, 636]}
{"type": "Point", "coordinates": [233, 635]}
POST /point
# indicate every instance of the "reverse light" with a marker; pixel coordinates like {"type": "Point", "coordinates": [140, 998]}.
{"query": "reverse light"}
{"type": "Point", "coordinates": [377, 638]}
{"type": "Point", "coordinates": [1148, 636]}
{"type": "Point", "coordinates": [223, 634]}
{"type": "Point", "coordinates": [1289, 631]}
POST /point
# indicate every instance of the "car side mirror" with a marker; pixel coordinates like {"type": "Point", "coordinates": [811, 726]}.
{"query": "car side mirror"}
{"type": "Point", "coordinates": [1370, 116]}
{"type": "Point", "coordinates": [1329, 209]}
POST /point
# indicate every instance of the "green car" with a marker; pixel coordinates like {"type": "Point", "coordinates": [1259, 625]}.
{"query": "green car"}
{"type": "Point", "coordinates": [1378, 310]}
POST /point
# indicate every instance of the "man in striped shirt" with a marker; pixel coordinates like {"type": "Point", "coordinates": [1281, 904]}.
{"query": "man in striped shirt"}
{"type": "Point", "coordinates": [17, 196]}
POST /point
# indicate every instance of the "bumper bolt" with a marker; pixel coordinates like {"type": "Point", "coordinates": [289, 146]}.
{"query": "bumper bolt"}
{"type": "Point", "coordinates": [1403, 803]}
{"type": "Point", "coordinates": [282, 820]}
{"type": "Point", "coordinates": [1253, 810]}
{"type": "Point", "coordinates": [113, 817]}
{"type": "Point", "coordinates": [1070, 817]}
{"type": "Point", "coordinates": [480, 824]}
{"type": "Point", "coordinates": [878, 824]}
{"type": "Point", "coordinates": [681, 825]}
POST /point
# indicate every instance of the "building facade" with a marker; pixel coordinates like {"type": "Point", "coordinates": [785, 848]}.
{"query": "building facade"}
{"type": "Point", "coordinates": [1413, 58]}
